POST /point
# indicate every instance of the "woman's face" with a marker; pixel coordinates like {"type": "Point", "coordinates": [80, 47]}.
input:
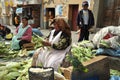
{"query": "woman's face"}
{"type": "Point", "coordinates": [56, 27]}
{"type": "Point", "coordinates": [25, 22]}
{"type": "Point", "coordinates": [1, 27]}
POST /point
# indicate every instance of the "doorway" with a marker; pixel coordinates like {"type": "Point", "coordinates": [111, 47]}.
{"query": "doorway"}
{"type": "Point", "coordinates": [73, 11]}
{"type": "Point", "coordinates": [50, 15]}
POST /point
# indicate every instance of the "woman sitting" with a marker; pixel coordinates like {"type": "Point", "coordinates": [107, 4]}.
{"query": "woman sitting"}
{"type": "Point", "coordinates": [55, 47]}
{"type": "Point", "coordinates": [24, 34]}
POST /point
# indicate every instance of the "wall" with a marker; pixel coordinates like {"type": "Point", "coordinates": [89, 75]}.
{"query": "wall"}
{"type": "Point", "coordinates": [34, 1]}
{"type": "Point", "coordinates": [5, 14]}
{"type": "Point", "coordinates": [66, 5]}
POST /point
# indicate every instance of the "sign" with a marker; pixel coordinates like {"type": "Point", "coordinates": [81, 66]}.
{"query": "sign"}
{"type": "Point", "coordinates": [59, 10]}
{"type": "Point", "coordinates": [19, 10]}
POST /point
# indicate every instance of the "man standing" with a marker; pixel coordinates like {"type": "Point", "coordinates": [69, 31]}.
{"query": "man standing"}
{"type": "Point", "coordinates": [85, 20]}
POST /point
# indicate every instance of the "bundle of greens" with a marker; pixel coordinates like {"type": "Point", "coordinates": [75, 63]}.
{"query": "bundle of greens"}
{"type": "Point", "coordinates": [80, 54]}
{"type": "Point", "coordinates": [37, 40]}
{"type": "Point", "coordinates": [15, 70]}
{"type": "Point", "coordinates": [6, 52]}
{"type": "Point", "coordinates": [114, 72]}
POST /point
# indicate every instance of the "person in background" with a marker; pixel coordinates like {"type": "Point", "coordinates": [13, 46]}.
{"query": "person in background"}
{"type": "Point", "coordinates": [55, 47]}
{"type": "Point", "coordinates": [85, 20]}
{"type": "Point", "coordinates": [2, 31]}
{"type": "Point", "coordinates": [23, 34]}
{"type": "Point", "coordinates": [50, 18]}
{"type": "Point", "coordinates": [37, 32]}
{"type": "Point", "coordinates": [17, 21]}
{"type": "Point", "coordinates": [5, 32]}
{"type": "Point", "coordinates": [52, 24]}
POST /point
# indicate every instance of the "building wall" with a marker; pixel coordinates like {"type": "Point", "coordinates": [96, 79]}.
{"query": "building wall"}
{"type": "Point", "coordinates": [67, 3]}
{"type": "Point", "coordinates": [107, 13]}
{"type": "Point", "coordinates": [6, 14]}
{"type": "Point", "coordinates": [5, 11]}
{"type": "Point", "coordinates": [66, 6]}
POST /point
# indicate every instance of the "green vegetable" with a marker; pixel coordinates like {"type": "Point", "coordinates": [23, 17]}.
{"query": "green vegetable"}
{"type": "Point", "coordinates": [12, 75]}
{"type": "Point", "coordinates": [37, 40]}
{"type": "Point", "coordinates": [15, 70]}
{"type": "Point", "coordinates": [40, 38]}
{"type": "Point", "coordinates": [2, 74]}
{"type": "Point", "coordinates": [114, 72]}
{"type": "Point", "coordinates": [80, 54]}
{"type": "Point", "coordinates": [104, 44]}
{"type": "Point", "coordinates": [13, 65]}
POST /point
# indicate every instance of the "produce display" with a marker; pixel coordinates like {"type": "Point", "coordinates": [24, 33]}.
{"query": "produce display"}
{"type": "Point", "coordinates": [18, 70]}
{"type": "Point", "coordinates": [15, 70]}
{"type": "Point", "coordinates": [80, 54]}
{"type": "Point", "coordinates": [7, 53]}
{"type": "Point", "coordinates": [37, 40]}
{"type": "Point", "coordinates": [114, 72]}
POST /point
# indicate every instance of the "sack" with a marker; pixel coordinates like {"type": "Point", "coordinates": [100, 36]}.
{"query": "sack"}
{"type": "Point", "coordinates": [107, 36]}
{"type": "Point", "coordinates": [41, 73]}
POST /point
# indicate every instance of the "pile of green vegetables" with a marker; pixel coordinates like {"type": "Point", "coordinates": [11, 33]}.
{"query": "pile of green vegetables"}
{"type": "Point", "coordinates": [37, 40]}
{"type": "Point", "coordinates": [6, 52]}
{"type": "Point", "coordinates": [80, 54]}
{"type": "Point", "coordinates": [114, 72]}
{"type": "Point", "coordinates": [15, 70]}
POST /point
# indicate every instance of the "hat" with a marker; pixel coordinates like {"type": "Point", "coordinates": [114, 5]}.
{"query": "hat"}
{"type": "Point", "coordinates": [85, 3]}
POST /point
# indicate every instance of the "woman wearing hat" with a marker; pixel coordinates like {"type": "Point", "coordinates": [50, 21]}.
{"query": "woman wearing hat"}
{"type": "Point", "coordinates": [85, 20]}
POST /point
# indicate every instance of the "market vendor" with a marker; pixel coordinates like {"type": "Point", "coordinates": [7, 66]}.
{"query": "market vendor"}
{"type": "Point", "coordinates": [5, 32]}
{"type": "Point", "coordinates": [55, 47]}
{"type": "Point", "coordinates": [23, 34]}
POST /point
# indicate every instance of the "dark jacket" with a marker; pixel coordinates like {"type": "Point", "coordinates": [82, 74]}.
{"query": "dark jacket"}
{"type": "Point", "coordinates": [5, 31]}
{"type": "Point", "coordinates": [80, 21]}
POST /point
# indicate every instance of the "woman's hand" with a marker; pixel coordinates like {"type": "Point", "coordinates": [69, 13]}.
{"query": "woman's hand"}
{"type": "Point", "coordinates": [46, 43]}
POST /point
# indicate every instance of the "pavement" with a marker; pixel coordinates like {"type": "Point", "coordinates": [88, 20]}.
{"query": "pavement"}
{"type": "Point", "coordinates": [45, 32]}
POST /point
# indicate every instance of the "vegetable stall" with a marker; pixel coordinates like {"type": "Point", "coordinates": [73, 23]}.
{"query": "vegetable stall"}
{"type": "Point", "coordinates": [14, 64]}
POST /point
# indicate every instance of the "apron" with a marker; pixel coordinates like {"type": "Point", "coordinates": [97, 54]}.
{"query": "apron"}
{"type": "Point", "coordinates": [50, 57]}
{"type": "Point", "coordinates": [15, 42]}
